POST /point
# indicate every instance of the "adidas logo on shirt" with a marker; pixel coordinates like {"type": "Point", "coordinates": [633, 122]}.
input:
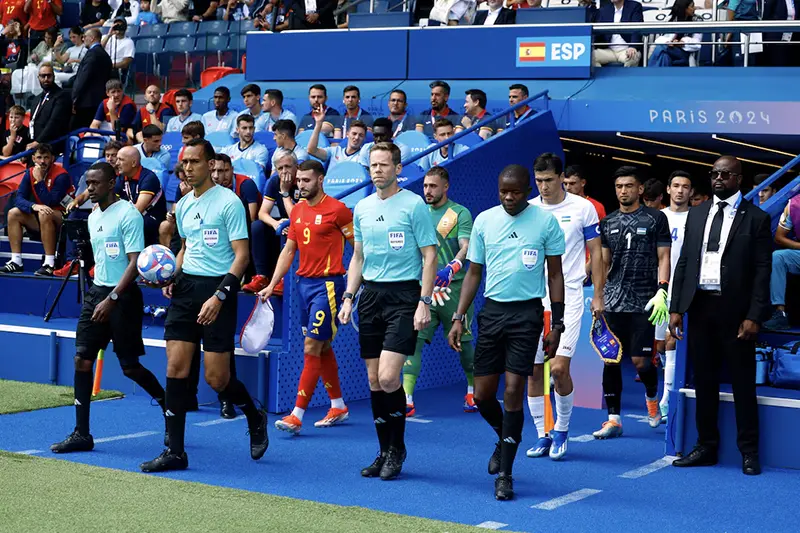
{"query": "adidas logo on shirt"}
{"type": "Point", "coordinates": [100, 229]}
{"type": "Point", "coordinates": [197, 216]}
{"type": "Point", "coordinates": [379, 219]}
{"type": "Point", "coordinates": [513, 235]}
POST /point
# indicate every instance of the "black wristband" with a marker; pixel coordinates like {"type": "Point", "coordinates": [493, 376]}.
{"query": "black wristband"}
{"type": "Point", "coordinates": [556, 313]}
{"type": "Point", "coordinates": [664, 285]}
{"type": "Point", "coordinates": [230, 283]}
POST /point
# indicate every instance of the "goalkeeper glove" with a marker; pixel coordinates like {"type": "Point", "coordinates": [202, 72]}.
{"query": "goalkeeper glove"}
{"type": "Point", "coordinates": [440, 296]}
{"type": "Point", "coordinates": [445, 275]}
{"type": "Point", "coordinates": [658, 304]}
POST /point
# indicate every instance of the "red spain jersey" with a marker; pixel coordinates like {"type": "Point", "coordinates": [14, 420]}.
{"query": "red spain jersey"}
{"type": "Point", "coordinates": [13, 9]}
{"type": "Point", "coordinates": [320, 232]}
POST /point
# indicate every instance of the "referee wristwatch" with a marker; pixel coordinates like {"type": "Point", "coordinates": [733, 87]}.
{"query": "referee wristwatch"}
{"type": "Point", "coordinates": [113, 296]}
{"type": "Point", "coordinates": [220, 295]}
{"type": "Point", "coordinates": [427, 300]}
{"type": "Point", "coordinates": [560, 327]}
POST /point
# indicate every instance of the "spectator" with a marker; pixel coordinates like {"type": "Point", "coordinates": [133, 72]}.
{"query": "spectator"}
{"type": "Point", "coordinates": [475, 111]}
{"type": "Point", "coordinates": [778, 53]}
{"type": "Point", "coordinates": [450, 12]}
{"type": "Point", "coordinates": [284, 131]}
{"type": "Point", "coordinates": [13, 10]}
{"type": "Point", "coordinates": [677, 49]}
{"type": "Point", "coordinates": [443, 130]}
{"type": "Point", "coordinates": [440, 94]}
{"type": "Point", "coordinates": [90, 82]}
{"type": "Point", "coordinates": [120, 48]}
{"type": "Point", "coordinates": [192, 130]}
{"type": "Point", "coordinates": [398, 113]}
{"type": "Point", "coordinates": [205, 10]}
{"type": "Point", "coordinates": [145, 15]}
{"type": "Point", "coordinates": [312, 15]}
{"type": "Point", "coordinates": [17, 137]}
{"type": "Point", "coordinates": [38, 206]}
{"type": "Point", "coordinates": [318, 97]}
{"type": "Point", "coordinates": [128, 10]}
{"type": "Point", "coordinates": [142, 188]}
{"type": "Point", "coordinates": [50, 118]}
{"type": "Point", "coordinates": [747, 10]}
{"type": "Point", "coordinates": [623, 47]}
{"type": "Point", "coordinates": [116, 112]}
{"type": "Point", "coordinates": [575, 183]}
{"type": "Point", "coordinates": [247, 147]}
{"type": "Point", "coordinates": [44, 50]}
{"type": "Point", "coordinates": [24, 80]}
{"type": "Point", "coordinates": [381, 132]}
{"type": "Point", "coordinates": [251, 98]}
{"type": "Point", "coordinates": [70, 56]}
{"type": "Point", "coordinates": [95, 13]}
{"type": "Point", "coordinates": [183, 105]}
{"type": "Point", "coordinates": [351, 151]}
{"type": "Point", "coordinates": [41, 16]}
{"type": "Point", "coordinates": [150, 147]}
{"type": "Point", "coordinates": [153, 112]}
{"type": "Point", "coordinates": [237, 10]}
{"type": "Point", "coordinates": [767, 192]}
{"type": "Point", "coordinates": [353, 111]}
{"type": "Point", "coordinates": [244, 187]}
{"type": "Point", "coordinates": [167, 230]}
{"type": "Point", "coordinates": [654, 194]}
{"type": "Point", "coordinates": [272, 106]}
{"type": "Point", "coordinates": [496, 15]}
{"type": "Point", "coordinates": [785, 261]}
{"type": "Point", "coordinates": [13, 51]}
{"type": "Point", "coordinates": [265, 12]}
{"type": "Point", "coordinates": [698, 198]}
{"type": "Point", "coordinates": [516, 94]}
{"type": "Point", "coordinates": [222, 117]}
{"type": "Point", "coordinates": [171, 10]}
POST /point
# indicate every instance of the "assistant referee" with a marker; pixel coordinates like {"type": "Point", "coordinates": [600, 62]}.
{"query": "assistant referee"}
{"type": "Point", "coordinates": [512, 242]}
{"type": "Point", "coordinates": [395, 247]}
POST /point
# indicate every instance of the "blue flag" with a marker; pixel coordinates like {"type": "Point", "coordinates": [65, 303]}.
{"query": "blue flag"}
{"type": "Point", "coordinates": [604, 342]}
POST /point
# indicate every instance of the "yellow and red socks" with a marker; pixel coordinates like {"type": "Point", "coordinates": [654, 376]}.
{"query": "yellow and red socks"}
{"type": "Point", "coordinates": [308, 380]}
{"type": "Point", "coordinates": [83, 397]}
{"type": "Point", "coordinates": [330, 378]}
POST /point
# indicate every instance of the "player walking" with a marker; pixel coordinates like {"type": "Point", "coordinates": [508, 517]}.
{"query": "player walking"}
{"type": "Point", "coordinates": [214, 255]}
{"type": "Point", "coordinates": [579, 222]}
{"type": "Point", "coordinates": [112, 309]}
{"type": "Point", "coordinates": [453, 223]}
{"type": "Point", "coordinates": [679, 190]}
{"type": "Point", "coordinates": [636, 246]}
{"type": "Point", "coordinates": [320, 224]}
{"type": "Point", "coordinates": [394, 248]}
{"type": "Point", "coordinates": [512, 241]}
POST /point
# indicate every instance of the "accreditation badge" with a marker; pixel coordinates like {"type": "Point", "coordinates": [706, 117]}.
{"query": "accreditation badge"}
{"type": "Point", "coordinates": [604, 342]}
{"type": "Point", "coordinates": [710, 269]}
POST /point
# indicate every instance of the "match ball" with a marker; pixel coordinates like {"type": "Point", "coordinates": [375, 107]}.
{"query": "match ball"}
{"type": "Point", "coordinates": [156, 264]}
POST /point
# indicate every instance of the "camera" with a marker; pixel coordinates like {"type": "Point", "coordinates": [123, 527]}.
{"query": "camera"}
{"type": "Point", "coordinates": [78, 231]}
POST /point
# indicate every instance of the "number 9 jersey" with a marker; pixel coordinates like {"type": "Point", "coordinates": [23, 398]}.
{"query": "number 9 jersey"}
{"type": "Point", "coordinates": [320, 232]}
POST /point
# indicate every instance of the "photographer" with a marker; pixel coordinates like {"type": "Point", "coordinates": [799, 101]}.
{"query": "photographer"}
{"type": "Point", "coordinates": [128, 10]}
{"type": "Point", "coordinates": [39, 205]}
{"type": "Point", "coordinates": [120, 48]}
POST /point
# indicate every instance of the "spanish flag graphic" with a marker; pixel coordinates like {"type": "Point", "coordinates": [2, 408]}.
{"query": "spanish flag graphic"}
{"type": "Point", "coordinates": [531, 51]}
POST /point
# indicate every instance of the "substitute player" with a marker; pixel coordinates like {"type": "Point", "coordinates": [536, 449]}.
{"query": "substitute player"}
{"type": "Point", "coordinates": [453, 223]}
{"type": "Point", "coordinates": [112, 309]}
{"type": "Point", "coordinates": [395, 248]}
{"type": "Point", "coordinates": [512, 241]}
{"type": "Point", "coordinates": [214, 255]}
{"type": "Point", "coordinates": [320, 224]}
{"type": "Point", "coordinates": [579, 222]}
{"type": "Point", "coordinates": [679, 190]}
{"type": "Point", "coordinates": [636, 247]}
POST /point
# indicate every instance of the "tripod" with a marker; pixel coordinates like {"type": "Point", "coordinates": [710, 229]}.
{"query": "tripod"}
{"type": "Point", "coordinates": [79, 260]}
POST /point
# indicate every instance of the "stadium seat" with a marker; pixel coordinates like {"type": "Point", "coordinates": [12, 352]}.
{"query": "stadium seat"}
{"type": "Point", "coordinates": [303, 137]}
{"type": "Point", "coordinates": [212, 74]}
{"type": "Point", "coordinates": [251, 170]}
{"type": "Point", "coordinates": [158, 169]}
{"type": "Point", "coordinates": [87, 150]}
{"type": "Point", "coordinates": [146, 54]}
{"type": "Point", "coordinates": [212, 51]}
{"type": "Point", "coordinates": [415, 141]}
{"type": "Point", "coordinates": [174, 60]}
{"type": "Point", "coordinates": [181, 29]}
{"type": "Point", "coordinates": [152, 30]}
{"type": "Point", "coordinates": [172, 143]}
{"type": "Point", "coordinates": [213, 27]}
{"type": "Point", "coordinates": [219, 140]}
{"type": "Point", "coordinates": [344, 176]}
{"type": "Point", "coordinates": [10, 176]}
{"type": "Point", "coordinates": [410, 173]}
{"type": "Point", "coordinates": [469, 140]}
{"type": "Point", "coordinates": [267, 138]}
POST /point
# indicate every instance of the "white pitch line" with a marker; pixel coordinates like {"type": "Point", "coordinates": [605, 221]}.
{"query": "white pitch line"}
{"type": "Point", "coordinates": [29, 452]}
{"type": "Point", "coordinates": [218, 421]}
{"type": "Point", "coordinates": [639, 418]}
{"type": "Point", "coordinates": [491, 525]}
{"type": "Point", "coordinates": [128, 436]}
{"type": "Point", "coordinates": [649, 469]}
{"type": "Point", "coordinates": [418, 420]}
{"type": "Point", "coordinates": [582, 438]}
{"type": "Point", "coordinates": [572, 497]}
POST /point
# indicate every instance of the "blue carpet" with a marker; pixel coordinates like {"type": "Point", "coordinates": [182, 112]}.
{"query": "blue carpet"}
{"type": "Point", "coordinates": [445, 475]}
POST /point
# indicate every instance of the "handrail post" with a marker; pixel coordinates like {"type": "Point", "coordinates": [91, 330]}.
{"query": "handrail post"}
{"type": "Point", "coordinates": [746, 44]}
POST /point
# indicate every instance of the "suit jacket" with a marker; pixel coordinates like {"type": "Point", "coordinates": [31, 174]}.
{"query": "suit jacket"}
{"type": "Point", "coordinates": [53, 111]}
{"type": "Point", "coordinates": [506, 16]}
{"type": "Point", "coordinates": [776, 10]}
{"type": "Point", "coordinates": [89, 87]}
{"type": "Point", "coordinates": [325, 9]}
{"type": "Point", "coordinates": [631, 12]}
{"type": "Point", "coordinates": [746, 264]}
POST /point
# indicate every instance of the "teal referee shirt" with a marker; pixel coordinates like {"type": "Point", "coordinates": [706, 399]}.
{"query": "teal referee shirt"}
{"type": "Point", "coordinates": [115, 232]}
{"type": "Point", "coordinates": [513, 251]}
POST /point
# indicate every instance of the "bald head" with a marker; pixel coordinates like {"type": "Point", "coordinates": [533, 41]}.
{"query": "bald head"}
{"type": "Point", "coordinates": [128, 160]}
{"type": "Point", "coordinates": [92, 36]}
{"type": "Point", "coordinates": [726, 177]}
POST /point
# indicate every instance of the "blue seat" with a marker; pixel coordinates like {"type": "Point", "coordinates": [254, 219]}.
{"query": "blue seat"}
{"type": "Point", "coordinates": [211, 51]}
{"type": "Point", "coordinates": [145, 59]}
{"type": "Point", "coordinates": [174, 59]}
{"type": "Point", "coordinates": [414, 141]}
{"type": "Point", "coordinates": [219, 140]}
{"type": "Point", "coordinates": [251, 170]}
{"type": "Point", "coordinates": [470, 140]}
{"type": "Point", "coordinates": [152, 30]}
{"type": "Point", "coordinates": [87, 149]}
{"type": "Point", "coordinates": [173, 143]}
{"type": "Point", "coordinates": [344, 176]}
{"type": "Point", "coordinates": [303, 137]}
{"type": "Point", "coordinates": [213, 27]}
{"type": "Point", "coordinates": [409, 174]}
{"type": "Point", "coordinates": [188, 29]}
{"type": "Point", "coordinates": [158, 169]}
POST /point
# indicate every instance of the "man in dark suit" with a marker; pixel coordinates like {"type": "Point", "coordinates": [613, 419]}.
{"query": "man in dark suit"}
{"type": "Point", "coordinates": [317, 16]}
{"type": "Point", "coordinates": [722, 281]}
{"type": "Point", "coordinates": [779, 54]}
{"type": "Point", "coordinates": [51, 112]}
{"type": "Point", "coordinates": [495, 15]}
{"type": "Point", "coordinates": [89, 87]}
{"type": "Point", "coordinates": [624, 48]}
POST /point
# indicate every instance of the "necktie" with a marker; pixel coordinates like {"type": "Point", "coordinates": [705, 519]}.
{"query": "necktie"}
{"type": "Point", "coordinates": [716, 228]}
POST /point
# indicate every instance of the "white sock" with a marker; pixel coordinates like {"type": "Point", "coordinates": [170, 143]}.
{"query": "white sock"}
{"type": "Point", "coordinates": [669, 375]}
{"type": "Point", "coordinates": [563, 411]}
{"type": "Point", "coordinates": [615, 418]}
{"type": "Point", "coordinates": [409, 399]}
{"type": "Point", "coordinates": [470, 389]}
{"type": "Point", "coordinates": [16, 258]}
{"type": "Point", "coordinates": [50, 260]}
{"type": "Point", "coordinates": [337, 403]}
{"type": "Point", "coordinates": [298, 413]}
{"type": "Point", "coordinates": [536, 407]}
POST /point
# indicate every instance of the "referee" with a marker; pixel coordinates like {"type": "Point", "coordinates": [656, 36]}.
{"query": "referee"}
{"type": "Point", "coordinates": [112, 309]}
{"type": "Point", "coordinates": [395, 247]}
{"type": "Point", "coordinates": [214, 255]}
{"type": "Point", "coordinates": [512, 241]}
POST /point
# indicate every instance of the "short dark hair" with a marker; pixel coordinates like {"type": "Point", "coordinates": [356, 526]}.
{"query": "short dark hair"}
{"type": "Point", "coordinates": [185, 93]}
{"type": "Point", "coordinates": [574, 170]}
{"type": "Point", "coordinates": [400, 91]}
{"type": "Point", "coordinates": [443, 84]}
{"type": "Point", "coordinates": [44, 148]}
{"type": "Point", "coordinates": [627, 170]}
{"type": "Point", "coordinates": [439, 172]}
{"type": "Point", "coordinates": [151, 130]}
{"type": "Point", "coordinates": [274, 94]}
{"type": "Point", "coordinates": [442, 123]}
{"type": "Point", "coordinates": [77, 30]}
{"type": "Point", "coordinates": [319, 87]}
{"type": "Point", "coordinates": [224, 90]}
{"type": "Point", "coordinates": [759, 178]}
{"type": "Point", "coordinates": [112, 145]}
{"type": "Point", "coordinates": [653, 188]}
{"type": "Point", "coordinates": [251, 88]}
{"type": "Point", "coordinates": [387, 147]}
{"type": "Point", "coordinates": [548, 161]}
{"type": "Point", "coordinates": [247, 117]}
{"type": "Point", "coordinates": [351, 88]}
{"type": "Point", "coordinates": [194, 128]}
{"type": "Point", "coordinates": [517, 172]}
{"type": "Point", "coordinates": [112, 84]}
{"type": "Point", "coordinates": [225, 158]}
{"type": "Point", "coordinates": [477, 95]}
{"type": "Point", "coordinates": [357, 124]}
{"type": "Point", "coordinates": [383, 122]}
{"type": "Point", "coordinates": [208, 149]}
{"type": "Point", "coordinates": [314, 166]}
{"type": "Point", "coordinates": [679, 174]}
{"type": "Point", "coordinates": [520, 87]}
{"type": "Point", "coordinates": [108, 172]}
{"type": "Point", "coordinates": [285, 126]}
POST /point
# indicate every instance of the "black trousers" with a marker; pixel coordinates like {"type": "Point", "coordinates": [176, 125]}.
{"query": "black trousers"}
{"type": "Point", "coordinates": [712, 339]}
{"type": "Point", "coordinates": [82, 118]}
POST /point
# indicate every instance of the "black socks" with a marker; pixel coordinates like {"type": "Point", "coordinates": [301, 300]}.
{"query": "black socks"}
{"type": "Point", "coordinates": [612, 388]}
{"type": "Point", "coordinates": [512, 437]}
{"type": "Point", "coordinates": [176, 413]}
{"type": "Point", "coordinates": [83, 397]}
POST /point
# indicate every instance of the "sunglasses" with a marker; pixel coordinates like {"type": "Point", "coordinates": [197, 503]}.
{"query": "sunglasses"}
{"type": "Point", "coordinates": [724, 174]}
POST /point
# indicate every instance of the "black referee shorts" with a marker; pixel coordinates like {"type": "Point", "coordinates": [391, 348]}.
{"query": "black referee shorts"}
{"type": "Point", "coordinates": [189, 293]}
{"type": "Point", "coordinates": [635, 333]}
{"type": "Point", "coordinates": [124, 326]}
{"type": "Point", "coordinates": [386, 318]}
{"type": "Point", "coordinates": [508, 337]}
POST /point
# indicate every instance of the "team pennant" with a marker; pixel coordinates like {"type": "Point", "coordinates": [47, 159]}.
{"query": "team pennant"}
{"type": "Point", "coordinates": [604, 342]}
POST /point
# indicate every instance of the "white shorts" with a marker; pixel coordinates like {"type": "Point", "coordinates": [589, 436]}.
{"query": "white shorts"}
{"type": "Point", "coordinates": [573, 314]}
{"type": "Point", "coordinates": [661, 331]}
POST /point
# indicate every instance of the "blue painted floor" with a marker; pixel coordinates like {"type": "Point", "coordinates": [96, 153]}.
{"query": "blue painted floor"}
{"type": "Point", "coordinates": [445, 475]}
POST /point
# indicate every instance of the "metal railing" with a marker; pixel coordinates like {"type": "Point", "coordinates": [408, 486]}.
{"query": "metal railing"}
{"type": "Point", "coordinates": [753, 195]}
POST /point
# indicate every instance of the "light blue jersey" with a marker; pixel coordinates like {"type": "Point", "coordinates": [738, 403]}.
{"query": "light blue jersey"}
{"type": "Point", "coordinates": [299, 152]}
{"type": "Point", "coordinates": [176, 124]}
{"type": "Point", "coordinates": [245, 111]}
{"type": "Point", "coordinates": [338, 154]}
{"type": "Point", "coordinates": [266, 121]}
{"type": "Point", "coordinates": [513, 251]}
{"type": "Point", "coordinates": [212, 122]}
{"type": "Point", "coordinates": [392, 232]}
{"type": "Point", "coordinates": [255, 152]}
{"type": "Point", "coordinates": [436, 158]}
{"type": "Point", "coordinates": [115, 233]}
{"type": "Point", "coordinates": [162, 156]}
{"type": "Point", "coordinates": [209, 224]}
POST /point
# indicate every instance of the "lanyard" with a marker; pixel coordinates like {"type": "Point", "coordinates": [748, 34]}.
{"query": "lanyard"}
{"type": "Point", "coordinates": [347, 118]}
{"type": "Point", "coordinates": [399, 127]}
